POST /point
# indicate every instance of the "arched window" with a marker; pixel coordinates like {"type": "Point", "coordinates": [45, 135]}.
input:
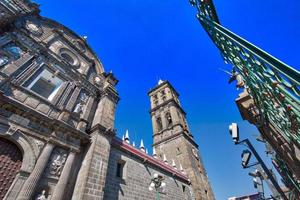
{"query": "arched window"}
{"type": "Point", "coordinates": [159, 124]}
{"type": "Point", "coordinates": [169, 119]}
{"type": "Point", "coordinates": [69, 57]}
{"type": "Point", "coordinates": [14, 50]}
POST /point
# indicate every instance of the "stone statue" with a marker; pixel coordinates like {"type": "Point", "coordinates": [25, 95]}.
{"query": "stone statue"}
{"type": "Point", "coordinates": [57, 164]}
{"type": "Point", "coordinates": [41, 196]}
{"type": "Point", "coordinates": [79, 107]}
{"type": "Point", "coordinates": [81, 102]}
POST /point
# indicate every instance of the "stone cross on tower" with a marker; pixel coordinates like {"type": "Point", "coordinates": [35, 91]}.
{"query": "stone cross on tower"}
{"type": "Point", "coordinates": [173, 139]}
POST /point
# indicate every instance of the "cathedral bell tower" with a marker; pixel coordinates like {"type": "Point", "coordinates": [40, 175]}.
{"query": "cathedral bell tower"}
{"type": "Point", "coordinates": [173, 140]}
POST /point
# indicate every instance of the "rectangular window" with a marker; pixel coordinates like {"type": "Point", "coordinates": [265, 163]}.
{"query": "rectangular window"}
{"type": "Point", "coordinates": [44, 83]}
{"type": "Point", "coordinates": [183, 188]}
{"type": "Point", "coordinates": [120, 169]}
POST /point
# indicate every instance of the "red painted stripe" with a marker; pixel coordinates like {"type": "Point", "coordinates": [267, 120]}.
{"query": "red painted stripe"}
{"type": "Point", "coordinates": [158, 163]}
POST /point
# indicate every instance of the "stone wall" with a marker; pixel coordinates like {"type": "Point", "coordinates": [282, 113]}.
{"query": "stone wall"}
{"type": "Point", "coordinates": [136, 180]}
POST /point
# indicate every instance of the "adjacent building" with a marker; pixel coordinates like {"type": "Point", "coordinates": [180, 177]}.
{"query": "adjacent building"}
{"type": "Point", "coordinates": [247, 197]}
{"type": "Point", "coordinates": [57, 111]}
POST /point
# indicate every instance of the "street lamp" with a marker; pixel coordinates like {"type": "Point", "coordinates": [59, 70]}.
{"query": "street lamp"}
{"type": "Point", "coordinates": [234, 132]}
{"type": "Point", "coordinates": [258, 182]}
{"type": "Point", "coordinates": [246, 155]}
{"type": "Point", "coordinates": [157, 184]}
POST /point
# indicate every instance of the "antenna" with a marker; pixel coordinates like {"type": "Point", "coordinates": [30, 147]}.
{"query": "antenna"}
{"type": "Point", "coordinates": [226, 71]}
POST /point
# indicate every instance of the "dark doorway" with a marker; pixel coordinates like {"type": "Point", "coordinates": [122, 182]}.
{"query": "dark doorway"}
{"type": "Point", "coordinates": [10, 164]}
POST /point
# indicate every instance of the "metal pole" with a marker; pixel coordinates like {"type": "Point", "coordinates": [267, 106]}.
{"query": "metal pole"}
{"type": "Point", "coordinates": [265, 168]}
{"type": "Point", "coordinates": [158, 197]}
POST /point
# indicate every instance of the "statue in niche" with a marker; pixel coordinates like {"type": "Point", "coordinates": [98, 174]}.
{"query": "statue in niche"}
{"type": "Point", "coordinates": [81, 102]}
{"type": "Point", "coordinates": [79, 107]}
{"type": "Point", "coordinates": [41, 196]}
{"type": "Point", "coordinates": [57, 162]}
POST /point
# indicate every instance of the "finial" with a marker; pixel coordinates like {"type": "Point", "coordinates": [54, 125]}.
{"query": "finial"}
{"type": "Point", "coordinates": [154, 153]}
{"type": "Point", "coordinates": [84, 37]}
{"type": "Point", "coordinates": [174, 164]}
{"type": "Point", "coordinates": [142, 147]}
{"type": "Point", "coordinates": [123, 138]}
{"type": "Point", "coordinates": [160, 81]}
{"type": "Point", "coordinates": [146, 151]}
{"type": "Point", "coordinates": [165, 159]}
{"type": "Point", "coordinates": [133, 144]}
{"type": "Point", "coordinates": [180, 167]}
{"type": "Point", "coordinates": [127, 137]}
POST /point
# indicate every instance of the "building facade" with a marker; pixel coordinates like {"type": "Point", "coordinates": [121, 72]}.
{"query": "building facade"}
{"type": "Point", "coordinates": [57, 111]}
{"type": "Point", "coordinates": [285, 152]}
{"type": "Point", "coordinates": [247, 197]}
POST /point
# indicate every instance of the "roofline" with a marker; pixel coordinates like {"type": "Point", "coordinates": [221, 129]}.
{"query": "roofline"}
{"type": "Point", "coordinates": [99, 71]}
{"type": "Point", "coordinates": [123, 146]}
{"type": "Point", "coordinates": [160, 85]}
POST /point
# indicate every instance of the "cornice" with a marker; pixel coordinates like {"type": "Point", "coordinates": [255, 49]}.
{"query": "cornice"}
{"type": "Point", "coordinates": [166, 103]}
{"type": "Point", "coordinates": [172, 137]}
{"type": "Point", "coordinates": [51, 122]}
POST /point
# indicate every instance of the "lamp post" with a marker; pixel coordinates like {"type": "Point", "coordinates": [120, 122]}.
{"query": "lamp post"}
{"type": "Point", "coordinates": [157, 184]}
{"type": "Point", "coordinates": [234, 132]}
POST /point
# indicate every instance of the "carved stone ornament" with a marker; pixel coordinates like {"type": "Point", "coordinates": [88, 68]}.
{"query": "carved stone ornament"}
{"type": "Point", "coordinates": [42, 196]}
{"type": "Point", "coordinates": [39, 143]}
{"type": "Point", "coordinates": [80, 45]}
{"type": "Point", "coordinates": [34, 28]}
{"type": "Point", "coordinates": [97, 80]}
{"type": "Point", "coordinates": [57, 162]}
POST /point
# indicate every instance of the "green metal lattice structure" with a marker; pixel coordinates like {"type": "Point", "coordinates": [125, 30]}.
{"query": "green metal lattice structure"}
{"type": "Point", "coordinates": [272, 84]}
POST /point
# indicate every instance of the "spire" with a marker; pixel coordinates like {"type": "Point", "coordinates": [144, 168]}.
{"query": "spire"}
{"type": "Point", "coordinates": [146, 151]}
{"type": "Point", "coordinates": [127, 136]}
{"type": "Point", "coordinates": [133, 143]}
{"type": "Point", "coordinates": [174, 164]}
{"type": "Point", "coordinates": [154, 153]}
{"type": "Point", "coordinates": [142, 147]}
{"type": "Point", "coordinates": [180, 167]}
{"type": "Point", "coordinates": [123, 137]}
{"type": "Point", "coordinates": [165, 159]}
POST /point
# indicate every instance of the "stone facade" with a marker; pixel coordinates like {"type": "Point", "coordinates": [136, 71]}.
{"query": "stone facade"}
{"type": "Point", "coordinates": [173, 140]}
{"type": "Point", "coordinates": [57, 106]}
{"type": "Point", "coordinates": [285, 152]}
{"type": "Point", "coordinates": [137, 173]}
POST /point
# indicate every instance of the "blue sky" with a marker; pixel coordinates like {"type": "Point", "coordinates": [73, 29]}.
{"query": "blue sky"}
{"type": "Point", "coordinates": [143, 40]}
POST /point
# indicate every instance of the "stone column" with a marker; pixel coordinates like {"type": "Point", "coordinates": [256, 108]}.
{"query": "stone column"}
{"type": "Point", "coordinates": [33, 179]}
{"type": "Point", "coordinates": [60, 187]}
